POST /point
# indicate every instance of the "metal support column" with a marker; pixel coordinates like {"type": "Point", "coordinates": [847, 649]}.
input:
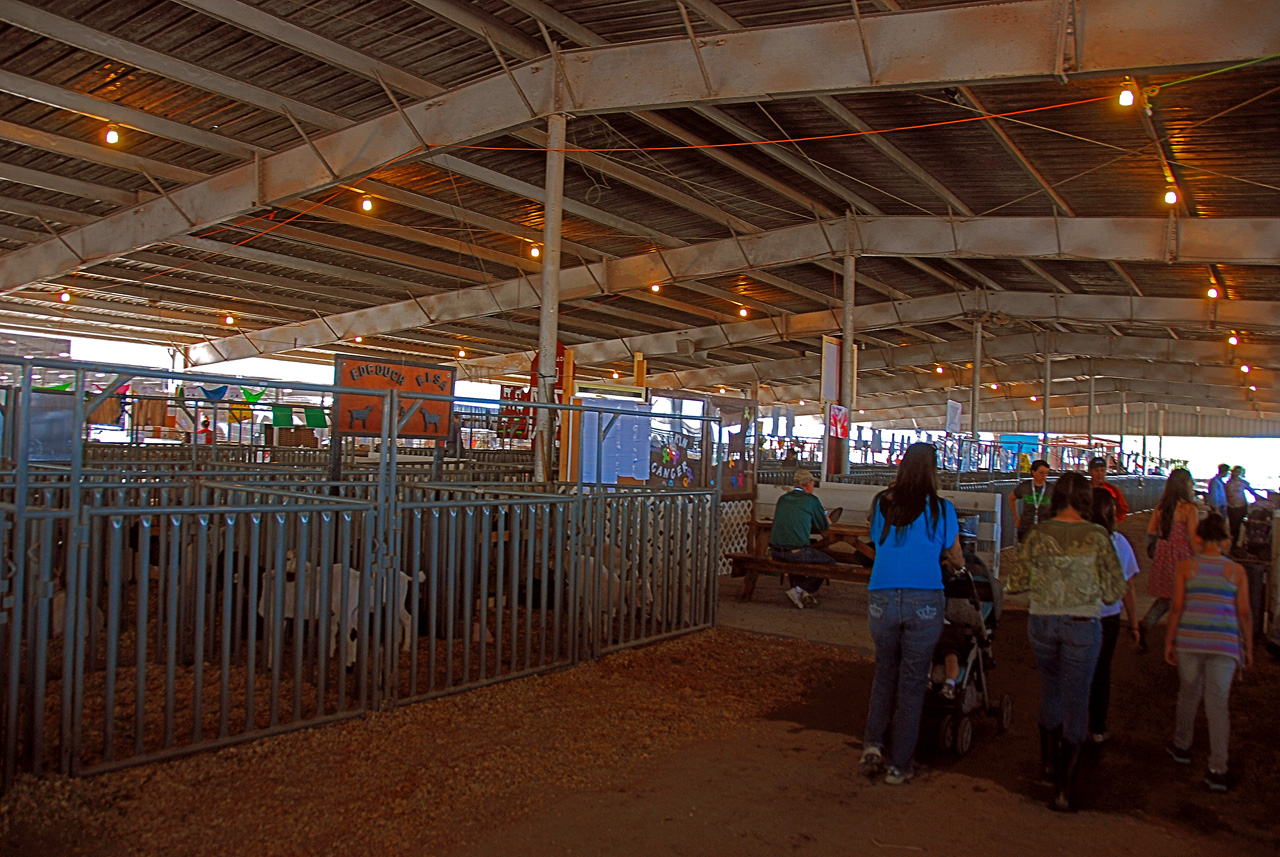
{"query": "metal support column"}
{"type": "Point", "coordinates": [549, 317]}
{"type": "Point", "coordinates": [1048, 384]}
{"type": "Point", "coordinates": [1146, 430]}
{"type": "Point", "coordinates": [1124, 418]}
{"type": "Point", "coordinates": [1089, 421]}
{"type": "Point", "coordinates": [976, 383]}
{"type": "Point", "coordinates": [848, 359]}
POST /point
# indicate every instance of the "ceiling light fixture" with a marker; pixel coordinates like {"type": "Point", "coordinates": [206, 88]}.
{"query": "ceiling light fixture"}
{"type": "Point", "coordinates": [615, 375]}
{"type": "Point", "coordinates": [535, 251]}
{"type": "Point", "coordinates": [1245, 368]}
{"type": "Point", "coordinates": [1035, 398]}
{"type": "Point", "coordinates": [743, 312]}
{"type": "Point", "coordinates": [939, 370]}
{"type": "Point", "coordinates": [359, 339]}
{"type": "Point", "coordinates": [1233, 340]}
{"type": "Point", "coordinates": [1126, 97]}
{"type": "Point", "coordinates": [462, 352]}
{"type": "Point", "coordinates": [229, 320]}
{"type": "Point", "coordinates": [1253, 388]}
{"type": "Point", "coordinates": [112, 136]}
{"type": "Point", "coordinates": [995, 386]}
{"type": "Point", "coordinates": [366, 203]}
{"type": "Point", "coordinates": [1171, 196]}
{"type": "Point", "coordinates": [65, 297]}
{"type": "Point", "coordinates": [655, 287]}
{"type": "Point", "coordinates": [1213, 291]}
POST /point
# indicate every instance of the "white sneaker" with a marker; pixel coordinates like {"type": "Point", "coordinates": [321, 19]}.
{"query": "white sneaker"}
{"type": "Point", "coordinates": [796, 598]}
{"type": "Point", "coordinates": [809, 599]}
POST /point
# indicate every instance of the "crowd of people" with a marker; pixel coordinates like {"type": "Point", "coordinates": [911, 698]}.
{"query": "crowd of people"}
{"type": "Point", "coordinates": [1078, 570]}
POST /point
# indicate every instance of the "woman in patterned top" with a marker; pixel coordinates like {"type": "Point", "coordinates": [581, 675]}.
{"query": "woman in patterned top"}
{"type": "Point", "coordinates": [1210, 633]}
{"type": "Point", "coordinates": [1071, 568]}
{"type": "Point", "coordinates": [1170, 529]}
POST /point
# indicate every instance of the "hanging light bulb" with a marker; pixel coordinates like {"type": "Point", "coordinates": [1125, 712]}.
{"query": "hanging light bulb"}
{"type": "Point", "coordinates": [743, 312]}
{"type": "Point", "coordinates": [535, 251]}
{"type": "Point", "coordinates": [366, 203]}
{"type": "Point", "coordinates": [861, 411]}
{"type": "Point", "coordinates": [615, 375]}
{"type": "Point", "coordinates": [802, 401]}
{"type": "Point", "coordinates": [1253, 388]}
{"type": "Point", "coordinates": [462, 352]}
{"type": "Point", "coordinates": [1233, 340]}
{"type": "Point", "coordinates": [655, 288]}
{"type": "Point", "coordinates": [939, 370]}
{"type": "Point", "coordinates": [1245, 368]}
{"type": "Point", "coordinates": [65, 297]}
{"type": "Point", "coordinates": [112, 136]}
{"type": "Point", "coordinates": [1126, 97]}
{"type": "Point", "coordinates": [1213, 291]}
{"type": "Point", "coordinates": [1035, 398]}
{"type": "Point", "coordinates": [359, 339]}
{"type": "Point", "coordinates": [722, 390]}
{"type": "Point", "coordinates": [229, 320]}
{"type": "Point", "coordinates": [995, 386]}
{"type": "Point", "coordinates": [1171, 196]}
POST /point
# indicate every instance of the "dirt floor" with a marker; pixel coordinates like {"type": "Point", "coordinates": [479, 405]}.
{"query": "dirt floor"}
{"type": "Point", "coordinates": [723, 742]}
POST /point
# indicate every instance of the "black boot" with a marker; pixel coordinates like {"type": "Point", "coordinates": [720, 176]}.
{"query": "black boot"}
{"type": "Point", "coordinates": [1050, 739]}
{"type": "Point", "coordinates": [1065, 781]}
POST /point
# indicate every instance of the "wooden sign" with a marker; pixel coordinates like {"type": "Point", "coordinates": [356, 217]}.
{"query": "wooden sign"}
{"type": "Point", "coordinates": [354, 414]}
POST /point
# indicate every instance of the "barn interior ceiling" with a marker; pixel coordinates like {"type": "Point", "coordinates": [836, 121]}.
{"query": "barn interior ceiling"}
{"type": "Point", "coordinates": [246, 177]}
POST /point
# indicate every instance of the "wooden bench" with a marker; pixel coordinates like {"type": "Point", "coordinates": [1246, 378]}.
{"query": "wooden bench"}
{"type": "Point", "coordinates": [750, 568]}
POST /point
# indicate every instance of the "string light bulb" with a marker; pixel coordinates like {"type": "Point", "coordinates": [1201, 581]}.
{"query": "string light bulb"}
{"type": "Point", "coordinates": [112, 136]}
{"type": "Point", "coordinates": [65, 297]}
{"type": "Point", "coordinates": [1245, 368]}
{"type": "Point", "coordinates": [802, 401]}
{"type": "Point", "coordinates": [1171, 196]}
{"type": "Point", "coordinates": [366, 203]}
{"type": "Point", "coordinates": [1126, 97]}
{"type": "Point", "coordinates": [1213, 291]}
{"type": "Point", "coordinates": [231, 319]}
{"type": "Point", "coordinates": [615, 375]}
{"type": "Point", "coordinates": [1253, 388]}
{"type": "Point", "coordinates": [462, 352]}
{"type": "Point", "coordinates": [359, 339]}
{"type": "Point", "coordinates": [995, 386]}
{"type": "Point", "coordinates": [722, 390]}
{"type": "Point", "coordinates": [1233, 340]}
{"type": "Point", "coordinates": [939, 370]}
{"type": "Point", "coordinates": [743, 312]}
{"type": "Point", "coordinates": [535, 251]}
{"type": "Point", "coordinates": [655, 288]}
{"type": "Point", "coordinates": [1035, 398]}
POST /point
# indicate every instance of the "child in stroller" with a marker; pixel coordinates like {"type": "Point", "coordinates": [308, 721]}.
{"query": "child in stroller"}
{"type": "Point", "coordinates": [962, 657]}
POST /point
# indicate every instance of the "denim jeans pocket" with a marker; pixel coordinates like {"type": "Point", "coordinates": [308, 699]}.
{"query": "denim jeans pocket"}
{"type": "Point", "coordinates": [1081, 634]}
{"type": "Point", "coordinates": [876, 606]}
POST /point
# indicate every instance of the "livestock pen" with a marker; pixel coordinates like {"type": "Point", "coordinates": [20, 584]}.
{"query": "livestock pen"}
{"type": "Point", "coordinates": [160, 600]}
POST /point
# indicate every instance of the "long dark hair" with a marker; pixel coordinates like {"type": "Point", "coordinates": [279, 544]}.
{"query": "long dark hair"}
{"type": "Point", "coordinates": [914, 489]}
{"type": "Point", "coordinates": [1072, 489]}
{"type": "Point", "coordinates": [1177, 487]}
{"type": "Point", "coordinates": [1104, 510]}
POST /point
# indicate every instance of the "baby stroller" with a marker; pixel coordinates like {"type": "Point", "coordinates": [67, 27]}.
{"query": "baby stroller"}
{"type": "Point", "coordinates": [974, 603]}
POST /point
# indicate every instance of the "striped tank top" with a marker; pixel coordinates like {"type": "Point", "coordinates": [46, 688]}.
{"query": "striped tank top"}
{"type": "Point", "coordinates": [1209, 624]}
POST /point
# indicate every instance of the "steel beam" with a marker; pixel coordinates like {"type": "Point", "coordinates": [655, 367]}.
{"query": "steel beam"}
{"type": "Point", "coordinates": [1010, 41]}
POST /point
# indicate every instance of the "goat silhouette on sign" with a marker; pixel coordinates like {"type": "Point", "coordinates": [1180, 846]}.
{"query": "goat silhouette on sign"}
{"type": "Point", "coordinates": [429, 421]}
{"type": "Point", "coordinates": [361, 414]}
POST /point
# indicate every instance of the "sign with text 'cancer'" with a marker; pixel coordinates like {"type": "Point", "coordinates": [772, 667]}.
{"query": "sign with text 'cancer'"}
{"type": "Point", "coordinates": [354, 414]}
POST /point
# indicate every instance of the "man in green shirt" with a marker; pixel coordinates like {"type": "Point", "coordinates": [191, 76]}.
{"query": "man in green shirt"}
{"type": "Point", "coordinates": [798, 514]}
{"type": "Point", "coordinates": [1035, 496]}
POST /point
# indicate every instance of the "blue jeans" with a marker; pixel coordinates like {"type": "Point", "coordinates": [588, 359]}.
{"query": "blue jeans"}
{"type": "Point", "coordinates": [905, 626]}
{"type": "Point", "coordinates": [810, 555]}
{"type": "Point", "coordinates": [1066, 650]}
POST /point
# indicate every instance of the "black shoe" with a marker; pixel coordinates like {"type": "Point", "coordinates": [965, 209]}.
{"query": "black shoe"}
{"type": "Point", "coordinates": [1050, 741]}
{"type": "Point", "coordinates": [1065, 781]}
{"type": "Point", "coordinates": [1217, 782]}
{"type": "Point", "coordinates": [1142, 638]}
{"type": "Point", "coordinates": [1180, 755]}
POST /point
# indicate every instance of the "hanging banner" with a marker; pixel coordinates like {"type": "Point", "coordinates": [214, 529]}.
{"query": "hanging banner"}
{"type": "Point", "coordinates": [359, 415]}
{"type": "Point", "coordinates": [837, 421]}
{"type": "Point", "coordinates": [830, 369]}
{"type": "Point", "coordinates": [514, 420]}
{"type": "Point", "coordinates": [953, 416]}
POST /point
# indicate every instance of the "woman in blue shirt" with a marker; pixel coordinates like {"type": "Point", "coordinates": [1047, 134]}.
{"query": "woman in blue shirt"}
{"type": "Point", "coordinates": [912, 528]}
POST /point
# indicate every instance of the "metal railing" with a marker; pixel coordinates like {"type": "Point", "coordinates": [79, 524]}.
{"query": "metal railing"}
{"type": "Point", "coordinates": [157, 600]}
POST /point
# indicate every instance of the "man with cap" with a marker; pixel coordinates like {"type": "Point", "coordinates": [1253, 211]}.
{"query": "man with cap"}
{"type": "Point", "coordinates": [1098, 475]}
{"type": "Point", "coordinates": [798, 514]}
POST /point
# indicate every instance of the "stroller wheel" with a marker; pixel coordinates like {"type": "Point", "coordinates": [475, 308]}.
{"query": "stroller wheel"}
{"type": "Point", "coordinates": [946, 733]}
{"type": "Point", "coordinates": [1005, 714]}
{"type": "Point", "coordinates": [964, 735]}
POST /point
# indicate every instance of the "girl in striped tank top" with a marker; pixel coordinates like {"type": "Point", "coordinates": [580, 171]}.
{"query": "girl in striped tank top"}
{"type": "Point", "coordinates": [1210, 634]}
